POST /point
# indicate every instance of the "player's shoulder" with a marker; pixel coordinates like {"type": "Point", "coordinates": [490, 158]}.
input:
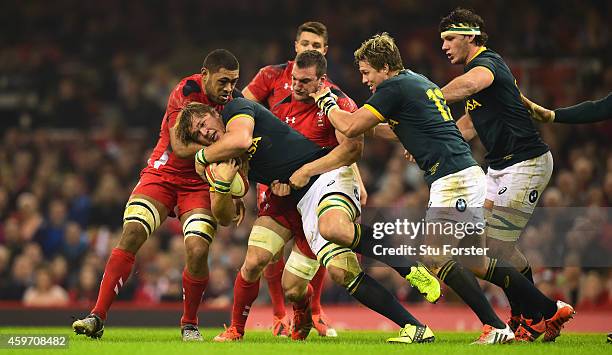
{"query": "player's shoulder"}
{"type": "Point", "coordinates": [341, 95]}
{"type": "Point", "coordinates": [486, 56]}
{"type": "Point", "coordinates": [237, 104]}
{"type": "Point", "coordinates": [190, 85]}
{"type": "Point", "coordinates": [275, 70]}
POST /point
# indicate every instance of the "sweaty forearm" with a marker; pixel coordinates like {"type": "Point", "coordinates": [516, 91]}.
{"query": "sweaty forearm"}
{"type": "Point", "coordinates": [187, 151]}
{"type": "Point", "coordinates": [226, 148]}
{"type": "Point", "coordinates": [342, 155]}
{"type": "Point", "coordinates": [223, 209]}
{"type": "Point", "coordinates": [586, 112]}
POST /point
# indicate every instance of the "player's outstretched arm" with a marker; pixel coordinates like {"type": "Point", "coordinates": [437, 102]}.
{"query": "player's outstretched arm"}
{"type": "Point", "coordinates": [475, 80]}
{"type": "Point", "coordinates": [346, 153]}
{"type": "Point", "coordinates": [586, 112]}
{"type": "Point", "coordinates": [350, 124]}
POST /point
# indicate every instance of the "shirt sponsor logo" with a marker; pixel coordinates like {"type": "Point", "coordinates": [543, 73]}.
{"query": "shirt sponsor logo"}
{"type": "Point", "coordinates": [393, 123]}
{"type": "Point", "coordinates": [472, 104]}
{"type": "Point", "coordinates": [253, 148]}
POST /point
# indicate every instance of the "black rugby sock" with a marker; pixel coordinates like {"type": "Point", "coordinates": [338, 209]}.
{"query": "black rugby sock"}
{"type": "Point", "coordinates": [374, 296]}
{"type": "Point", "coordinates": [364, 243]}
{"type": "Point", "coordinates": [464, 283]}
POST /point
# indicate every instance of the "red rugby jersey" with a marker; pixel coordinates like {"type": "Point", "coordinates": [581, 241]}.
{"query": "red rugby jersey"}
{"type": "Point", "coordinates": [273, 83]}
{"type": "Point", "coordinates": [163, 159]}
{"type": "Point", "coordinates": [309, 120]}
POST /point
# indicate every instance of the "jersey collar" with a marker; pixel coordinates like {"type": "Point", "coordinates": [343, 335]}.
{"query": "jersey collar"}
{"type": "Point", "coordinates": [482, 49]}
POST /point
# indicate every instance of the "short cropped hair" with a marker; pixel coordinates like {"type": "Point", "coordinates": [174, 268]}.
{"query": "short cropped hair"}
{"type": "Point", "coordinates": [468, 17]}
{"type": "Point", "coordinates": [186, 115]}
{"type": "Point", "coordinates": [378, 51]}
{"type": "Point", "coordinates": [313, 27]}
{"type": "Point", "coordinates": [220, 58]}
{"type": "Point", "coordinates": [312, 58]}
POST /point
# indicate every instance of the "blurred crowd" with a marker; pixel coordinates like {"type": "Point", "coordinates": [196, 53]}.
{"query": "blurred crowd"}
{"type": "Point", "coordinates": [83, 88]}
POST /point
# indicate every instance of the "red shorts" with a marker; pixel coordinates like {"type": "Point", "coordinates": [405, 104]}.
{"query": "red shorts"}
{"type": "Point", "coordinates": [184, 194]}
{"type": "Point", "coordinates": [284, 211]}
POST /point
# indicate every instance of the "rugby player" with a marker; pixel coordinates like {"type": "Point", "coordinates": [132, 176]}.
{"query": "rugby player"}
{"type": "Point", "coordinates": [520, 163]}
{"type": "Point", "coordinates": [331, 197]}
{"type": "Point", "coordinates": [270, 86]}
{"type": "Point", "coordinates": [170, 181]}
{"type": "Point", "coordinates": [415, 110]}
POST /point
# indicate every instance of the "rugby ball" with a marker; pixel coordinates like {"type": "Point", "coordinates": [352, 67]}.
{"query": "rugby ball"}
{"type": "Point", "coordinates": [239, 186]}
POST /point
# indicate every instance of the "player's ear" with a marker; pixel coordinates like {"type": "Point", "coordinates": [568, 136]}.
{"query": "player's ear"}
{"type": "Point", "coordinates": [471, 38]}
{"type": "Point", "coordinates": [325, 50]}
{"type": "Point", "coordinates": [295, 46]}
{"type": "Point", "coordinates": [204, 73]}
{"type": "Point", "coordinates": [322, 80]}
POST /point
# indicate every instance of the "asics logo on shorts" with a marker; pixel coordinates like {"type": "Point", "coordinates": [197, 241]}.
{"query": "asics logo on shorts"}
{"type": "Point", "coordinates": [502, 190]}
{"type": "Point", "coordinates": [331, 183]}
{"type": "Point", "coordinates": [533, 196]}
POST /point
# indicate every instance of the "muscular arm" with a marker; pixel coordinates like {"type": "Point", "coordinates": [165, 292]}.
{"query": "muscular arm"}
{"type": "Point", "coordinates": [585, 112]}
{"type": "Point", "coordinates": [180, 149]}
{"type": "Point", "coordinates": [236, 141]}
{"type": "Point", "coordinates": [248, 94]}
{"type": "Point", "coordinates": [346, 153]}
{"type": "Point", "coordinates": [353, 124]}
{"type": "Point", "coordinates": [463, 86]}
{"type": "Point", "coordinates": [466, 127]}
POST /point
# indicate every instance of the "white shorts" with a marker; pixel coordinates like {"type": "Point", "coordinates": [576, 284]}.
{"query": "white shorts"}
{"type": "Point", "coordinates": [519, 186]}
{"type": "Point", "coordinates": [458, 197]}
{"type": "Point", "coordinates": [341, 181]}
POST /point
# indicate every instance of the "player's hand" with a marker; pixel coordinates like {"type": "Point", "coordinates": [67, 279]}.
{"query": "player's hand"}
{"type": "Point", "coordinates": [240, 211]}
{"type": "Point", "coordinates": [280, 189]}
{"type": "Point", "coordinates": [409, 156]}
{"type": "Point", "coordinates": [325, 100]}
{"type": "Point", "coordinates": [299, 179]}
{"type": "Point", "coordinates": [226, 170]}
{"type": "Point", "coordinates": [538, 112]}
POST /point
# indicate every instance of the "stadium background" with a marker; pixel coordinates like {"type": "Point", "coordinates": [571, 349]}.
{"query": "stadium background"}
{"type": "Point", "coordinates": [83, 88]}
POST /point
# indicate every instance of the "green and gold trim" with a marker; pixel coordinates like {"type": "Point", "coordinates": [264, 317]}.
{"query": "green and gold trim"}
{"type": "Point", "coordinates": [461, 29]}
{"type": "Point", "coordinates": [240, 115]}
{"type": "Point", "coordinates": [374, 111]}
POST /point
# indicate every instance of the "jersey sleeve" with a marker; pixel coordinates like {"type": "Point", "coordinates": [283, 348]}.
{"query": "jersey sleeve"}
{"type": "Point", "coordinates": [347, 104]}
{"type": "Point", "coordinates": [239, 108]}
{"type": "Point", "coordinates": [262, 84]}
{"type": "Point", "coordinates": [383, 103]}
{"type": "Point", "coordinates": [481, 61]}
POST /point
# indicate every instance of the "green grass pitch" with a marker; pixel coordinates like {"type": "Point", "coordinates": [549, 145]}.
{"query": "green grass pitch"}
{"type": "Point", "coordinates": [151, 341]}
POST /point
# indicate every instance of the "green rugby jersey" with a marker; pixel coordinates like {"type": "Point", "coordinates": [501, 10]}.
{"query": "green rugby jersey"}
{"type": "Point", "coordinates": [499, 116]}
{"type": "Point", "coordinates": [415, 109]}
{"type": "Point", "coordinates": [277, 150]}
